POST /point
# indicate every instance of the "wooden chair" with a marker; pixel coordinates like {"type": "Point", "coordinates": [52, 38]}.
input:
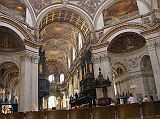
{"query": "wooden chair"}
{"type": "Point", "coordinates": [151, 110]}
{"type": "Point", "coordinates": [2, 116]}
{"type": "Point", "coordinates": [58, 114]}
{"type": "Point", "coordinates": [36, 115]}
{"type": "Point", "coordinates": [84, 113]}
{"type": "Point", "coordinates": [108, 112]}
{"type": "Point", "coordinates": [16, 115]}
{"type": "Point", "coordinates": [129, 111]}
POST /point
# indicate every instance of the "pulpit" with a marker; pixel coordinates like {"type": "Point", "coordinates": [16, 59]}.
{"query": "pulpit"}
{"type": "Point", "coordinates": [101, 83]}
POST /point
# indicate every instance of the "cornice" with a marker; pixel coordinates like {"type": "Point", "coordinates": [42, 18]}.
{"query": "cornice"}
{"type": "Point", "coordinates": [151, 30]}
{"type": "Point", "coordinates": [99, 45]}
{"type": "Point", "coordinates": [31, 44]}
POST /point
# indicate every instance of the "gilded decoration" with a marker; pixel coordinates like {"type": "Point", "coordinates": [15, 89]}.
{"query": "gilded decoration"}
{"type": "Point", "coordinates": [118, 9]}
{"type": "Point", "coordinates": [10, 41]}
{"type": "Point", "coordinates": [15, 5]}
{"type": "Point", "coordinates": [126, 42]}
{"type": "Point", "coordinates": [66, 16]}
{"type": "Point", "coordinates": [90, 6]}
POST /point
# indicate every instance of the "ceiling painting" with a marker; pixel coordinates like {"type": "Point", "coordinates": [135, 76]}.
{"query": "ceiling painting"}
{"type": "Point", "coordinates": [57, 41]}
{"type": "Point", "coordinates": [10, 41]}
{"type": "Point", "coordinates": [127, 42]}
{"type": "Point", "coordinates": [18, 6]}
{"type": "Point", "coordinates": [39, 5]}
{"type": "Point", "coordinates": [120, 8]}
{"type": "Point", "coordinates": [90, 6]}
{"type": "Point", "coordinates": [65, 16]}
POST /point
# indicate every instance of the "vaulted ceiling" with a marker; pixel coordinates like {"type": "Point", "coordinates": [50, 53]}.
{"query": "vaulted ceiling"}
{"type": "Point", "coordinates": [15, 5]}
{"type": "Point", "coordinates": [58, 41]}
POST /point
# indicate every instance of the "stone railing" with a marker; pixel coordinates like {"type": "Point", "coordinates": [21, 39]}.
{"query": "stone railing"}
{"type": "Point", "coordinates": [11, 14]}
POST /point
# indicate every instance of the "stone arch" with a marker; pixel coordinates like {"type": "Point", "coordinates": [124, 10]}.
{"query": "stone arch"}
{"type": "Point", "coordinates": [120, 77]}
{"type": "Point", "coordinates": [73, 8]}
{"type": "Point", "coordinates": [10, 71]}
{"type": "Point", "coordinates": [7, 43]}
{"type": "Point", "coordinates": [112, 33]}
{"type": "Point", "coordinates": [119, 64]}
{"type": "Point", "coordinates": [109, 3]}
{"type": "Point", "coordinates": [11, 61]}
{"type": "Point", "coordinates": [24, 34]}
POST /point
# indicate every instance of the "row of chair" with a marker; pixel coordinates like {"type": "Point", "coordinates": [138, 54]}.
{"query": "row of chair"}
{"type": "Point", "coordinates": [148, 110]}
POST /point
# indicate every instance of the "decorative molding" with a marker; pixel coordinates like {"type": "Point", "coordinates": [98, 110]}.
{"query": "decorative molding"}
{"type": "Point", "coordinates": [30, 57]}
{"type": "Point", "coordinates": [99, 45]}
{"type": "Point", "coordinates": [10, 13]}
{"type": "Point", "coordinates": [120, 27]}
{"type": "Point", "coordinates": [134, 76]}
{"type": "Point", "coordinates": [19, 27]}
{"type": "Point", "coordinates": [100, 58]}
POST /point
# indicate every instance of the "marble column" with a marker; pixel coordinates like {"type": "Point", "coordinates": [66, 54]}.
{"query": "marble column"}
{"type": "Point", "coordinates": [28, 84]}
{"type": "Point", "coordinates": [34, 101]}
{"type": "Point", "coordinates": [153, 43]}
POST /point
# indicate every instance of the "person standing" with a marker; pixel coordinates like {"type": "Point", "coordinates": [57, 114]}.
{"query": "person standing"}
{"type": "Point", "coordinates": [132, 99]}
{"type": "Point", "coordinates": [151, 98]}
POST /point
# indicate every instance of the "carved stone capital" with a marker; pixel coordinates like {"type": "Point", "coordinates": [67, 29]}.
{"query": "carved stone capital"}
{"type": "Point", "coordinates": [30, 57]}
{"type": "Point", "coordinates": [101, 57]}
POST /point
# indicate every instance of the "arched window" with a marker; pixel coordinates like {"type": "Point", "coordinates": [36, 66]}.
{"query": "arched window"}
{"type": "Point", "coordinates": [69, 62]}
{"type": "Point", "coordinates": [74, 54]}
{"type": "Point", "coordinates": [61, 78]}
{"type": "Point", "coordinates": [52, 102]}
{"type": "Point", "coordinates": [51, 78]}
{"type": "Point", "coordinates": [80, 41]}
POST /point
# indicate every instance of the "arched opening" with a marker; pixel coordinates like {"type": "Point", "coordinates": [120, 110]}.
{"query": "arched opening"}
{"type": "Point", "coordinates": [10, 40]}
{"type": "Point", "coordinates": [148, 77]}
{"type": "Point", "coordinates": [62, 78]}
{"type": "Point", "coordinates": [120, 78]}
{"type": "Point", "coordinates": [52, 102]}
{"type": "Point", "coordinates": [51, 77]}
{"type": "Point", "coordinates": [9, 86]}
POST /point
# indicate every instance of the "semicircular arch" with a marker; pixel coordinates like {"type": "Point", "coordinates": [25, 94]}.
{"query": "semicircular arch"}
{"type": "Point", "coordinates": [130, 27]}
{"type": "Point", "coordinates": [67, 14]}
{"type": "Point", "coordinates": [23, 33]}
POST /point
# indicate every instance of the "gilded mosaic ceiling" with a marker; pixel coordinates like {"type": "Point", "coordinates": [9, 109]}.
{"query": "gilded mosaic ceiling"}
{"type": "Point", "coordinates": [120, 8]}
{"type": "Point", "coordinates": [127, 42]}
{"type": "Point", "coordinates": [90, 6]}
{"type": "Point", "coordinates": [17, 6]}
{"type": "Point", "coordinates": [66, 16]}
